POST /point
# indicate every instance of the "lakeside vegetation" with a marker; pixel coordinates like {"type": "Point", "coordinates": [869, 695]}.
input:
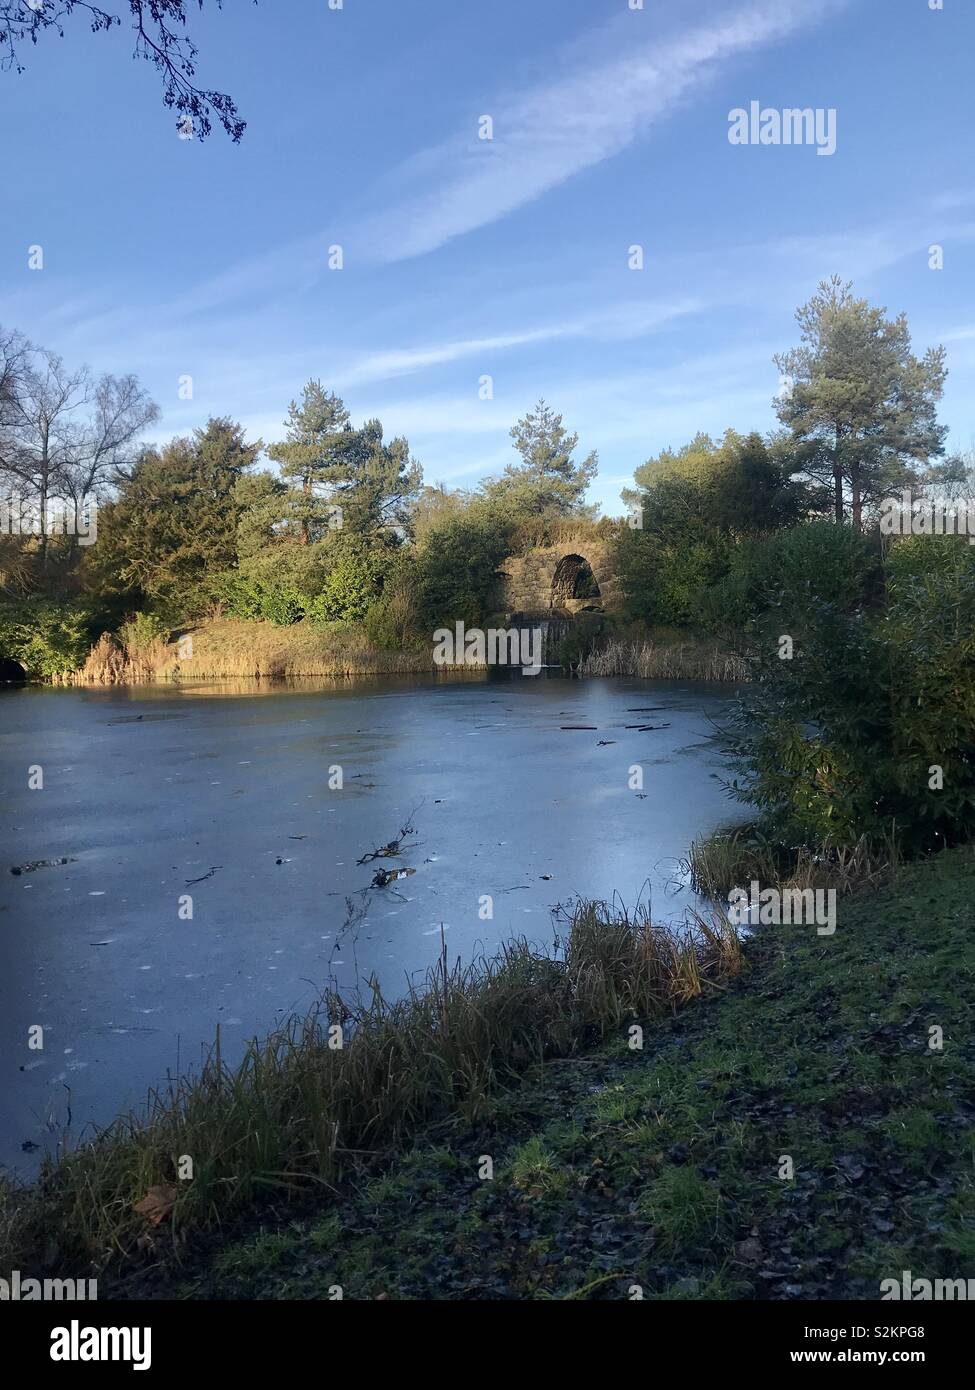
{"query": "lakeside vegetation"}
{"type": "Point", "coordinates": [306, 1103]}
{"type": "Point", "coordinates": [853, 744]}
{"type": "Point", "coordinates": [662, 1170]}
{"type": "Point", "coordinates": [665, 658]}
{"type": "Point", "coordinates": [243, 649]}
{"type": "Point", "coordinates": [613, 1166]}
{"type": "Point", "coordinates": [341, 553]}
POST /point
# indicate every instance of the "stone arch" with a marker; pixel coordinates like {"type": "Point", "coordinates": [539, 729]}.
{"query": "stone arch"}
{"type": "Point", "coordinates": [11, 670]}
{"type": "Point", "coordinates": [574, 585]}
{"type": "Point", "coordinates": [536, 581]}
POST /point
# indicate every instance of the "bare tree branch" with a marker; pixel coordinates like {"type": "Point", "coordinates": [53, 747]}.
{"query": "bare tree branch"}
{"type": "Point", "coordinates": [160, 38]}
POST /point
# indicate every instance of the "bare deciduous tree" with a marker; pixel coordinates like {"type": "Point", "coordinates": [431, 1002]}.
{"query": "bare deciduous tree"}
{"type": "Point", "coordinates": [66, 434]}
{"type": "Point", "coordinates": [14, 349]}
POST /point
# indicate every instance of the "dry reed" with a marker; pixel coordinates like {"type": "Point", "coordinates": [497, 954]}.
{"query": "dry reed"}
{"type": "Point", "coordinates": [691, 660]}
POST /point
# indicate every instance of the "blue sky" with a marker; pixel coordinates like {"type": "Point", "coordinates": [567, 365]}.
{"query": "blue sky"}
{"type": "Point", "coordinates": [509, 258]}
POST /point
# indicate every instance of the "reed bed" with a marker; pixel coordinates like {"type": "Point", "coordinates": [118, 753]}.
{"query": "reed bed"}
{"type": "Point", "coordinates": [734, 858]}
{"type": "Point", "coordinates": [228, 649]}
{"type": "Point", "coordinates": [110, 662]}
{"type": "Point", "coordinates": [237, 649]}
{"type": "Point", "coordinates": [695, 660]}
{"type": "Point", "coordinates": [298, 1112]}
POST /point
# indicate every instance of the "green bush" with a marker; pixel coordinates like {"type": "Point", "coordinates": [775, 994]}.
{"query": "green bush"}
{"type": "Point", "coordinates": [666, 581]}
{"type": "Point", "coordinates": [142, 631]}
{"type": "Point", "coordinates": [335, 581]}
{"type": "Point", "coordinates": [846, 738]}
{"type": "Point", "coordinates": [700, 509]}
{"type": "Point", "coordinates": [781, 576]}
{"type": "Point", "coordinates": [47, 638]}
{"type": "Point", "coordinates": [283, 605]}
{"type": "Point", "coordinates": [456, 570]}
{"type": "Point", "coordinates": [351, 587]}
{"type": "Point", "coordinates": [393, 620]}
{"type": "Point", "coordinates": [252, 596]}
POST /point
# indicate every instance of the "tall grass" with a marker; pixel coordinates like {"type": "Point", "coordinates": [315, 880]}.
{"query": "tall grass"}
{"type": "Point", "coordinates": [297, 1111]}
{"type": "Point", "coordinates": [238, 649]}
{"type": "Point", "coordinates": [735, 858]}
{"type": "Point", "coordinates": [241, 649]}
{"type": "Point", "coordinates": [111, 662]}
{"type": "Point", "coordinates": [685, 660]}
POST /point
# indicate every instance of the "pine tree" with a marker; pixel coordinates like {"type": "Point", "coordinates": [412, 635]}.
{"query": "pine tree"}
{"type": "Point", "coordinates": [860, 406]}
{"type": "Point", "coordinates": [336, 465]}
{"type": "Point", "coordinates": [318, 436]}
{"type": "Point", "coordinates": [174, 522]}
{"type": "Point", "coordinates": [548, 481]}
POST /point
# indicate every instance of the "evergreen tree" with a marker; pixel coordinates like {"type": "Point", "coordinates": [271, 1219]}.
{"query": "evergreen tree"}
{"type": "Point", "coordinates": [174, 523]}
{"type": "Point", "coordinates": [860, 406]}
{"type": "Point", "coordinates": [337, 466]}
{"type": "Point", "coordinates": [548, 481]}
{"type": "Point", "coordinates": [319, 435]}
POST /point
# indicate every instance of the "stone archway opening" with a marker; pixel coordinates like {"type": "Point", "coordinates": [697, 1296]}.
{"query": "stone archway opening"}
{"type": "Point", "coordinates": [574, 586]}
{"type": "Point", "coordinates": [11, 670]}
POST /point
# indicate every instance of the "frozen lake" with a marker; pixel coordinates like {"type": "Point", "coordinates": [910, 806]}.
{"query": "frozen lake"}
{"type": "Point", "coordinates": [223, 794]}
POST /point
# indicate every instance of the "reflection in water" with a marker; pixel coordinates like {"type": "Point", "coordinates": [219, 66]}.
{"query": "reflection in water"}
{"type": "Point", "coordinates": [216, 843]}
{"type": "Point", "coordinates": [292, 685]}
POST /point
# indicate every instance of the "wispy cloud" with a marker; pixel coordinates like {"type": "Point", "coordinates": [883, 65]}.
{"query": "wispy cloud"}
{"type": "Point", "coordinates": [611, 89]}
{"type": "Point", "coordinates": [546, 135]}
{"type": "Point", "coordinates": [382, 366]}
{"type": "Point", "coordinates": [626, 320]}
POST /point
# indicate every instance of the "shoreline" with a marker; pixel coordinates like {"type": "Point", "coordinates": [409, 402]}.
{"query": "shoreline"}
{"type": "Point", "coordinates": [237, 649]}
{"type": "Point", "coordinates": [660, 1170]}
{"type": "Point", "coordinates": [594, 1129]}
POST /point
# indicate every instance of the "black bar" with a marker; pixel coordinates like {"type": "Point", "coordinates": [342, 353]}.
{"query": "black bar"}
{"type": "Point", "coordinates": [222, 1338]}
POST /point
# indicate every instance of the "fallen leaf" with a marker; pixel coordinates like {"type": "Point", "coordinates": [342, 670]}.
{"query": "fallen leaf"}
{"type": "Point", "coordinates": [157, 1204]}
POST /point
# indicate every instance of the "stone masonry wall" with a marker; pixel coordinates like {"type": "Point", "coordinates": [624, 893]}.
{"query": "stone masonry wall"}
{"type": "Point", "coordinates": [526, 581]}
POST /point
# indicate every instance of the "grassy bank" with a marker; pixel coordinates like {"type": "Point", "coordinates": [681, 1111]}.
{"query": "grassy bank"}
{"type": "Point", "coordinates": [660, 1168]}
{"type": "Point", "coordinates": [307, 1104]}
{"type": "Point", "coordinates": [739, 855]}
{"type": "Point", "coordinates": [242, 649]}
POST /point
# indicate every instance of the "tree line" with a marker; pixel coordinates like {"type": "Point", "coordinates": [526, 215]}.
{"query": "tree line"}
{"type": "Point", "coordinates": [343, 530]}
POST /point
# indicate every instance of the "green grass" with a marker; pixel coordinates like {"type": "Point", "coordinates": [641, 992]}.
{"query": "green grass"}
{"type": "Point", "coordinates": [661, 1171]}
{"type": "Point", "coordinates": [740, 855]}
{"type": "Point", "coordinates": [680, 1206]}
{"type": "Point", "coordinates": [535, 1171]}
{"type": "Point", "coordinates": [297, 1117]}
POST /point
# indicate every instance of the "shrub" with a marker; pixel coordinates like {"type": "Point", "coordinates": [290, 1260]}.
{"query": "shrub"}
{"type": "Point", "coordinates": [869, 728]}
{"type": "Point", "coordinates": [700, 508]}
{"type": "Point", "coordinates": [781, 576]}
{"type": "Point", "coordinates": [47, 638]}
{"type": "Point", "coordinates": [665, 578]}
{"type": "Point", "coordinates": [252, 596]}
{"type": "Point", "coordinates": [142, 631]}
{"type": "Point", "coordinates": [351, 587]}
{"type": "Point", "coordinates": [456, 570]}
{"type": "Point", "coordinates": [393, 620]}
